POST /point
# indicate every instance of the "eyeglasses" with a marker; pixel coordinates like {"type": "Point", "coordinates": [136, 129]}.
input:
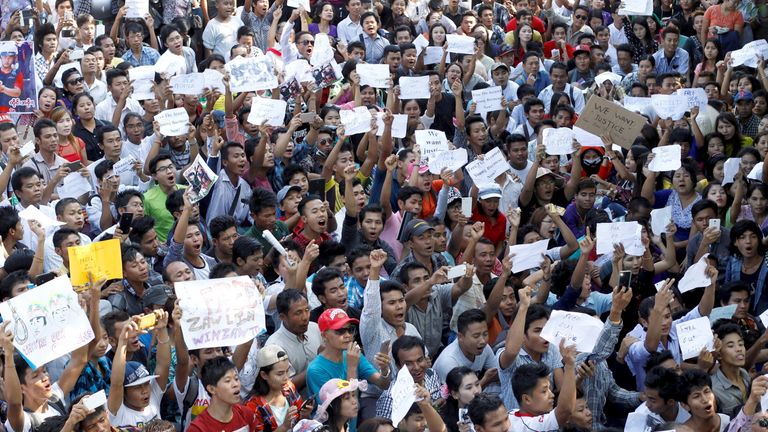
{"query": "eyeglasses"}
{"type": "Point", "coordinates": [345, 330]}
{"type": "Point", "coordinates": [325, 141]}
{"type": "Point", "coordinates": [581, 17]}
{"type": "Point", "coordinates": [76, 81]}
{"type": "Point", "coordinates": [165, 169]}
{"type": "Point", "coordinates": [307, 42]}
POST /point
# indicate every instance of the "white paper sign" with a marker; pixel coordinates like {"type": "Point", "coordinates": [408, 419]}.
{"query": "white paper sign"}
{"type": "Point", "coordinates": [433, 55]}
{"type": "Point", "coordinates": [399, 125]}
{"type": "Point", "coordinates": [667, 158]}
{"type": "Point", "coordinates": [251, 74]}
{"type": "Point", "coordinates": [608, 76]}
{"type": "Point", "coordinates": [143, 90]}
{"type": "Point", "coordinates": [628, 234]}
{"type": "Point", "coordinates": [141, 73]}
{"type": "Point", "coordinates": [660, 218]}
{"type": "Point", "coordinates": [123, 166]}
{"type": "Point", "coordinates": [459, 44]}
{"type": "Point", "coordinates": [527, 256]}
{"type": "Point", "coordinates": [27, 149]}
{"type": "Point", "coordinates": [171, 64]}
{"type": "Point", "coordinates": [271, 110]}
{"type": "Point", "coordinates": [722, 312]}
{"type": "Point", "coordinates": [189, 84]}
{"type": "Point", "coordinates": [454, 160]}
{"type": "Point", "coordinates": [757, 172]}
{"type": "Point", "coordinates": [495, 163]}
{"type": "Point", "coordinates": [636, 7]}
{"type": "Point", "coordinates": [558, 141]}
{"type": "Point", "coordinates": [414, 87]}
{"type": "Point", "coordinates": [173, 122]}
{"type": "Point", "coordinates": [75, 185]}
{"type": "Point", "coordinates": [693, 336]}
{"type": "Point", "coordinates": [356, 121]}
{"type": "Point", "coordinates": [637, 104]}
{"type": "Point", "coordinates": [730, 168]}
{"type": "Point", "coordinates": [430, 141]}
{"type": "Point", "coordinates": [587, 139]}
{"type": "Point", "coordinates": [421, 42]}
{"type": "Point", "coordinates": [214, 80]}
{"type": "Point", "coordinates": [576, 328]}
{"type": "Point", "coordinates": [221, 312]}
{"type": "Point", "coordinates": [57, 79]}
{"type": "Point", "coordinates": [764, 318]}
{"type": "Point", "coordinates": [76, 54]}
{"type": "Point", "coordinates": [695, 97]}
{"type": "Point", "coordinates": [33, 213]}
{"type": "Point", "coordinates": [374, 75]}
{"type": "Point", "coordinates": [296, 3]}
{"type": "Point", "coordinates": [403, 395]}
{"type": "Point", "coordinates": [749, 53]}
{"type": "Point", "coordinates": [695, 276]}
{"type": "Point", "coordinates": [47, 322]}
{"type": "Point", "coordinates": [671, 106]}
{"type": "Point", "coordinates": [487, 100]}
{"type": "Point", "coordinates": [322, 53]}
{"type": "Point", "coordinates": [136, 8]}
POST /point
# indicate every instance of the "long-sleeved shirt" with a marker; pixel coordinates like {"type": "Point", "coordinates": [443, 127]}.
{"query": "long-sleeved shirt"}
{"type": "Point", "coordinates": [260, 26]}
{"type": "Point", "coordinates": [228, 196]}
{"type": "Point", "coordinates": [678, 62]}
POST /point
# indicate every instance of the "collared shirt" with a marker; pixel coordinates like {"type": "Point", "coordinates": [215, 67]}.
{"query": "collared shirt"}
{"type": "Point", "coordinates": [431, 383]}
{"type": "Point", "coordinates": [349, 31]}
{"type": "Point", "coordinates": [225, 193]}
{"type": "Point", "coordinates": [41, 66]}
{"type": "Point", "coordinates": [730, 399]}
{"type": "Point", "coordinates": [281, 230]}
{"type": "Point", "coordinates": [260, 26]}
{"type": "Point", "coordinates": [106, 108]}
{"type": "Point", "coordinates": [551, 358]}
{"type": "Point", "coordinates": [653, 419]}
{"type": "Point", "coordinates": [92, 379]}
{"type": "Point", "coordinates": [617, 70]}
{"type": "Point", "coordinates": [577, 97]}
{"type": "Point", "coordinates": [97, 90]}
{"type": "Point", "coordinates": [429, 322]}
{"type": "Point", "coordinates": [542, 80]}
{"type": "Point", "coordinates": [148, 57]}
{"type": "Point", "coordinates": [678, 63]}
{"type": "Point", "coordinates": [374, 48]}
{"type": "Point", "coordinates": [47, 172]}
{"type": "Point", "coordinates": [300, 351]}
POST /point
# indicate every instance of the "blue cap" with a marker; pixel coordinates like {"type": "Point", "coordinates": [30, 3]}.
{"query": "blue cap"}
{"type": "Point", "coordinates": [136, 374]}
{"type": "Point", "coordinates": [743, 96]}
{"type": "Point", "coordinates": [487, 192]}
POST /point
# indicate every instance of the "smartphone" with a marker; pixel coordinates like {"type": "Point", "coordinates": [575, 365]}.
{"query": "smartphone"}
{"type": "Point", "coordinates": [307, 117]}
{"type": "Point", "coordinates": [466, 206]}
{"type": "Point", "coordinates": [384, 348]}
{"type": "Point", "coordinates": [317, 187]}
{"type": "Point", "coordinates": [147, 321]}
{"type": "Point", "coordinates": [125, 222]}
{"type": "Point", "coordinates": [406, 218]}
{"type": "Point", "coordinates": [555, 53]}
{"type": "Point", "coordinates": [625, 278]}
{"type": "Point", "coordinates": [96, 400]}
{"type": "Point", "coordinates": [555, 209]}
{"type": "Point", "coordinates": [68, 32]}
{"type": "Point", "coordinates": [45, 277]}
{"type": "Point", "coordinates": [457, 271]}
{"type": "Point", "coordinates": [27, 149]}
{"type": "Point", "coordinates": [74, 166]}
{"type": "Point", "coordinates": [69, 16]}
{"type": "Point", "coordinates": [714, 223]}
{"type": "Point", "coordinates": [309, 400]}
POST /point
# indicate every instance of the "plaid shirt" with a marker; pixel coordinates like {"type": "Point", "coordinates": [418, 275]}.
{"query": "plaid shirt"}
{"type": "Point", "coordinates": [149, 56]}
{"type": "Point", "coordinates": [91, 380]}
{"type": "Point", "coordinates": [749, 127]}
{"type": "Point", "coordinates": [431, 383]}
{"type": "Point", "coordinates": [41, 66]}
{"type": "Point", "coordinates": [264, 414]}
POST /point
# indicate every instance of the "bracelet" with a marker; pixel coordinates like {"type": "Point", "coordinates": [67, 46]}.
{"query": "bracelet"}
{"type": "Point", "coordinates": [387, 375]}
{"type": "Point", "coordinates": [159, 342]}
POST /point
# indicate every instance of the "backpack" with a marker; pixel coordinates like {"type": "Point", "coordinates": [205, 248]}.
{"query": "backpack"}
{"type": "Point", "coordinates": [37, 419]}
{"type": "Point", "coordinates": [193, 388]}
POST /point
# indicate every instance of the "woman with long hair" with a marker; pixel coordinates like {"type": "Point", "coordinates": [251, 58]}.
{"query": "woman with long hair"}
{"type": "Point", "coordinates": [71, 147]}
{"type": "Point", "coordinates": [715, 192]}
{"type": "Point", "coordinates": [680, 197]}
{"type": "Point", "coordinates": [728, 126]}
{"type": "Point", "coordinates": [522, 35]}
{"type": "Point", "coordinates": [712, 55]}
{"type": "Point", "coordinates": [322, 18]}
{"type": "Point", "coordinates": [640, 39]}
{"type": "Point", "coordinates": [461, 386]}
{"type": "Point", "coordinates": [338, 403]}
{"type": "Point", "coordinates": [86, 124]}
{"type": "Point", "coordinates": [274, 398]}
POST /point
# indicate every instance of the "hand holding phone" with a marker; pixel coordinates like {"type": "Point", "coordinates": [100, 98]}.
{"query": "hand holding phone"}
{"type": "Point", "coordinates": [147, 321]}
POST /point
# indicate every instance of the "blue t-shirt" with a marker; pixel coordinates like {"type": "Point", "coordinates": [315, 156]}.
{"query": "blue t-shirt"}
{"type": "Point", "coordinates": [321, 370]}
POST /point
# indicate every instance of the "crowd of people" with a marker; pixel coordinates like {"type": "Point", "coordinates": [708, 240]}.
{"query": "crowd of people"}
{"type": "Point", "coordinates": [371, 261]}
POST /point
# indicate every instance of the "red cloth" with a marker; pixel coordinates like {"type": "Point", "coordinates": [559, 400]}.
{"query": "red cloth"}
{"type": "Point", "coordinates": [495, 228]}
{"type": "Point", "coordinates": [242, 419]}
{"type": "Point", "coordinates": [550, 45]}
{"type": "Point", "coordinates": [536, 23]}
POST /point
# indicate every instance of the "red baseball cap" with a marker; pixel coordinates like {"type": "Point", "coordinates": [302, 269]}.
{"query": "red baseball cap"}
{"type": "Point", "coordinates": [334, 319]}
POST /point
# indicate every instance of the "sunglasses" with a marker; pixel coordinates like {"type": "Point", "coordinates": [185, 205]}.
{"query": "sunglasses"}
{"type": "Point", "coordinates": [325, 141]}
{"type": "Point", "coordinates": [581, 17]}
{"type": "Point", "coordinates": [76, 81]}
{"type": "Point", "coordinates": [307, 42]}
{"type": "Point", "coordinates": [345, 330]}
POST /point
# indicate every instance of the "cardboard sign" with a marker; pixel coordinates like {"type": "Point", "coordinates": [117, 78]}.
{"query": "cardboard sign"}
{"type": "Point", "coordinates": [47, 322]}
{"type": "Point", "coordinates": [101, 258]}
{"type": "Point", "coordinates": [220, 312]}
{"type": "Point", "coordinates": [200, 178]}
{"type": "Point", "coordinates": [173, 122]}
{"type": "Point", "coordinates": [251, 74]}
{"type": "Point", "coordinates": [601, 116]}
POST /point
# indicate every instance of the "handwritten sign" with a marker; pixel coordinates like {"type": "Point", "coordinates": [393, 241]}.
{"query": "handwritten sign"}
{"type": "Point", "coordinates": [576, 328]}
{"type": "Point", "coordinates": [671, 106]}
{"type": "Point", "coordinates": [403, 395]}
{"type": "Point", "coordinates": [356, 121]}
{"type": "Point", "coordinates": [454, 160]}
{"type": "Point", "coordinates": [34, 213]}
{"type": "Point", "coordinates": [123, 166]}
{"type": "Point", "coordinates": [488, 99]}
{"type": "Point", "coordinates": [694, 97]}
{"type": "Point", "coordinates": [420, 42]}
{"type": "Point", "coordinates": [189, 84]}
{"type": "Point", "coordinates": [660, 218]}
{"type": "Point", "coordinates": [141, 73]}
{"type": "Point", "coordinates": [414, 87]}
{"type": "Point", "coordinates": [47, 322]}
{"type": "Point", "coordinates": [667, 158]}
{"type": "Point", "coordinates": [374, 75]}
{"type": "Point", "coordinates": [601, 116]}
{"type": "Point", "coordinates": [627, 233]}
{"type": "Point", "coordinates": [214, 80]}
{"type": "Point", "coordinates": [558, 141]}
{"type": "Point", "coordinates": [637, 104]}
{"type": "Point", "coordinates": [527, 256]}
{"type": "Point", "coordinates": [757, 172]}
{"type": "Point", "coordinates": [101, 258]}
{"type": "Point", "coordinates": [693, 336]}
{"type": "Point", "coordinates": [271, 110]}
{"type": "Point", "coordinates": [636, 7]}
{"type": "Point", "coordinates": [75, 185]}
{"type": "Point", "coordinates": [495, 163]}
{"type": "Point", "coordinates": [200, 179]}
{"type": "Point", "coordinates": [251, 74]}
{"type": "Point", "coordinates": [433, 55]}
{"type": "Point", "coordinates": [430, 141]}
{"type": "Point", "coordinates": [399, 125]}
{"type": "Point", "coordinates": [299, 3]}
{"type": "Point", "coordinates": [143, 90]}
{"type": "Point", "coordinates": [173, 122]}
{"type": "Point", "coordinates": [608, 76]}
{"type": "Point", "coordinates": [695, 276]}
{"type": "Point", "coordinates": [221, 312]}
{"type": "Point", "coordinates": [136, 8]}
{"type": "Point", "coordinates": [749, 53]}
{"type": "Point", "coordinates": [459, 44]}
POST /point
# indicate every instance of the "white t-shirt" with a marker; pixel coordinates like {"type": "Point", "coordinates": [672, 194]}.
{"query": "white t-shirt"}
{"type": "Point", "coordinates": [221, 36]}
{"type": "Point", "coordinates": [48, 413]}
{"type": "Point", "coordinates": [129, 417]}
{"type": "Point", "coordinates": [201, 403]}
{"type": "Point", "coordinates": [543, 423]}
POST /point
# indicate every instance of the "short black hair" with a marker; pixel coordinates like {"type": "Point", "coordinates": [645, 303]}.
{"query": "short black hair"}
{"type": "Point", "coordinates": [321, 277]}
{"type": "Point", "coordinates": [329, 250]}
{"type": "Point", "coordinates": [244, 247]}
{"type": "Point", "coordinates": [21, 174]}
{"type": "Point", "coordinates": [407, 192]}
{"type": "Point", "coordinates": [306, 200]}
{"type": "Point", "coordinates": [61, 235]}
{"type": "Point", "coordinates": [175, 201]}
{"type": "Point", "coordinates": [405, 270]}
{"type": "Point", "coordinates": [360, 251]}
{"type": "Point", "coordinates": [123, 197]}
{"type": "Point", "coordinates": [292, 170]}
{"type": "Point", "coordinates": [140, 227]}
{"type": "Point", "coordinates": [535, 313]}
{"type": "Point", "coordinates": [109, 320]}
{"type": "Point", "coordinates": [404, 343]}
{"type": "Point", "coordinates": [41, 124]}
{"type": "Point", "coordinates": [102, 168]}
{"type": "Point", "coordinates": [733, 287]}
{"type": "Point", "coordinates": [657, 358]}
{"type": "Point", "coordinates": [214, 369]}
{"type": "Point", "coordinates": [664, 381]}
{"type": "Point", "coordinates": [163, 155]}
{"type": "Point", "coordinates": [12, 279]}
{"type": "Point", "coordinates": [371, 208]}
{"type": "Point", "coordinates": [481, 405]}
{"type": "Point", "coordinates": [262, 199]}
{"type": "Point", "coordinates": [286, 298]}
{"type": "Point", "coordinates": [9, 218]}
{"type": "Point", "coordinates": [468, 317]}
{"type": "Point", "coordinates": [129, 253]}
{"type": "Point", "coordinates": [690, 381]}
{"type": "Point", "coordinates": [526, 378]}
{"type": "Point", "coordinates": [221, 223]}
{"type": "Point", "coordinates": [221, 270]}
{"type": "Point", "coordinates": [115, 73]}
{"type": "Point", "coordinates": [63, 203]}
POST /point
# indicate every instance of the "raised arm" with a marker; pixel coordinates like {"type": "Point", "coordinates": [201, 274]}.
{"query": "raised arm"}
{"type": "Point", "coordinates": [183, 364]}
{"type": "Point", "coordinates": [330, 161]}
{"type": "Point", "coordinates": [12, 384]}
{"type": "Point", "coordinates": [515, 334]}
{"type": "Point", "coordinates": [586, 245]}
{"type": "Point", "coordinates": [660, 307]}
{"type": "Point", "coordinates": [386, 188]}
{"type": "Point", "coordinates": [491, 307]}
{"type": "Point", "coordinates": [707, 301]}
{"type": "Point", "coordinates": [115, 399]}
{"type": "Point", "coordinates": [163, 365]}
{"type": "Point", "coordinates": [566, 401]}
{"type": "Point", "coordinates": [649, 185]}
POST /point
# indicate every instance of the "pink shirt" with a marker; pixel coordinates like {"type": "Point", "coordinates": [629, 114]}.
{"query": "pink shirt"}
{"type": "Point", "coordinates": [389, 234]}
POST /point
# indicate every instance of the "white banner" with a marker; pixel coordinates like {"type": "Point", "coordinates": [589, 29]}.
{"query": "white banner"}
{"type": "Point", "coordinates": [251, 74]}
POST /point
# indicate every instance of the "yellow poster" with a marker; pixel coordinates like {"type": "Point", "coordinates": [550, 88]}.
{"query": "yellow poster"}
{"type": "Point", "coordinates": [100, 258]}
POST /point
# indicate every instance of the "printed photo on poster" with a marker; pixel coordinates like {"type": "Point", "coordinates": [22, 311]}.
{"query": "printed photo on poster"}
{"type": "Point", "coordinates": [17, 78]}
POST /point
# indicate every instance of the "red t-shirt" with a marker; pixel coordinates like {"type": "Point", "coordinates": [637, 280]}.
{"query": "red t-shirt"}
{"type": "Point", "coordinates": [536, 23]}
{"type": "Point", "coordinates": [495, 228]}
{"type": "Point", "coordinates": [243, 420]}
{"type": "Point", "coordinates": [550, 45]}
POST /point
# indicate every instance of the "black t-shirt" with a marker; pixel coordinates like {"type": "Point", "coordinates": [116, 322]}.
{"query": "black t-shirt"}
{"type": "Point", "coordinates": [444, 111]}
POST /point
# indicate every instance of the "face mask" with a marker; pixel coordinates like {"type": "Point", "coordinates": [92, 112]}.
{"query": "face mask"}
{"type": "Point", "coordinates": [591, 162]}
